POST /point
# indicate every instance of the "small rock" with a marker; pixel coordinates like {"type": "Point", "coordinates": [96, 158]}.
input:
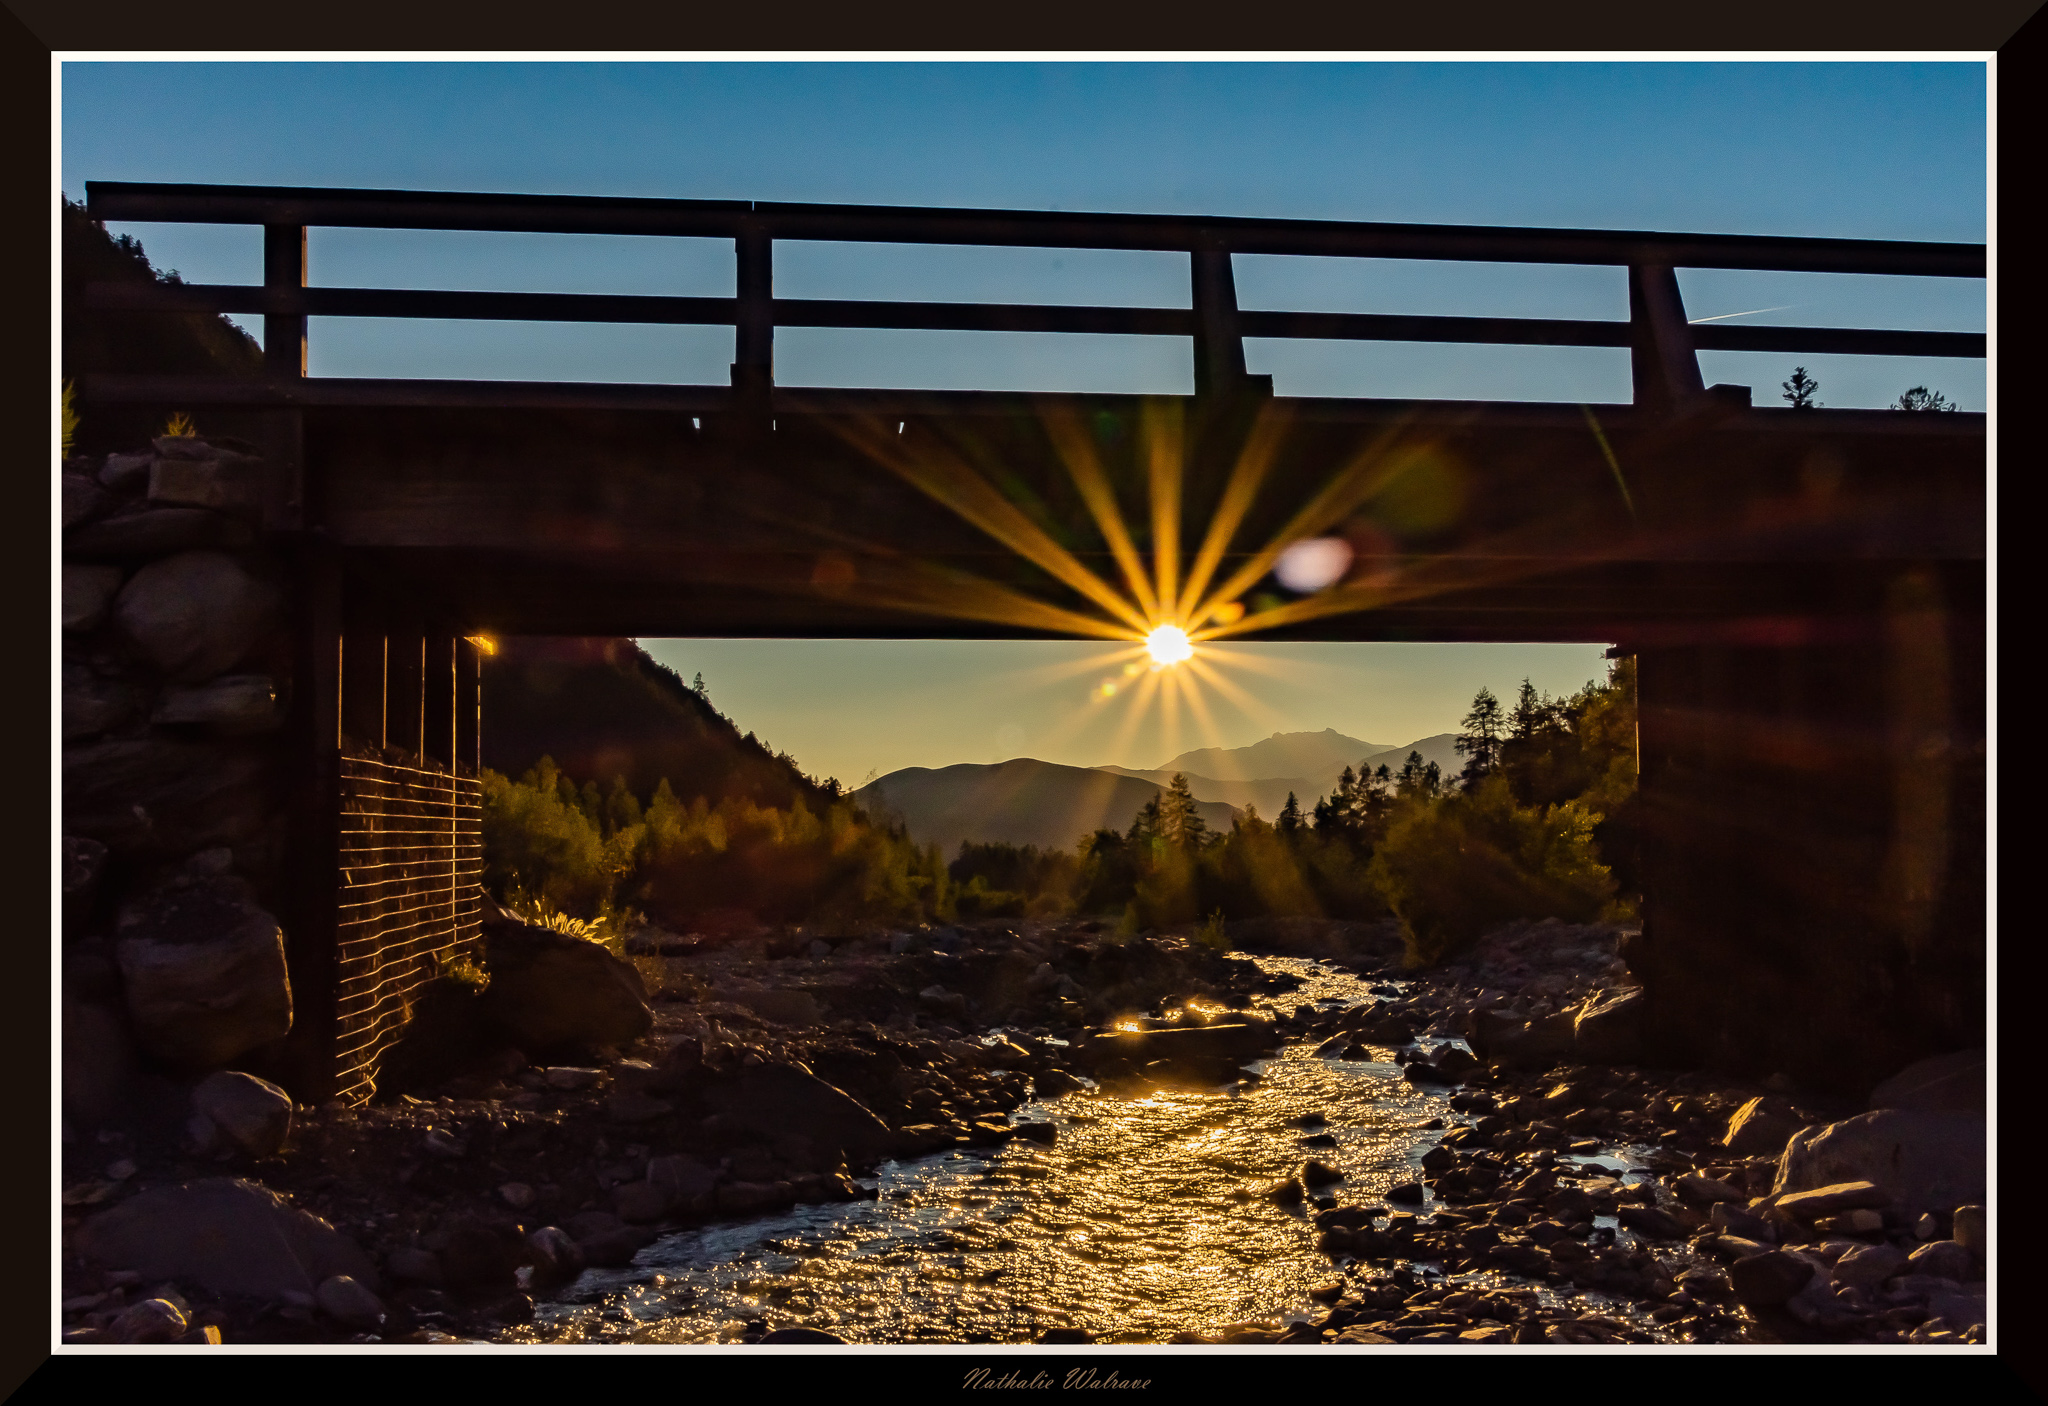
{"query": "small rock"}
{"type": "Point", "coordinates": [1863, 1222]}
{"type": "Point", "coordinates": [1315, 1173]}
{"type": "Point", "coordinates": [1762, 1127]}
{"type": "Point", "coordinates": [126, 472]}
{"type": "Point", "coordinates": [121, 1170]}
{"type": "Point", "coordinates": [440, 1144]}
{"type": "Point", "coordinates": [1407, 1193]}
{"type": "Point", "coordinates": [151, 1321]}
{"type": "Point", "coordinates": [557, 1256]}
{"type": "Point", "coordinates": [572, 1077]}
{"type": "Point", "coordinates": [346, 1301]}
{"type": "Point", "coordinates": [517, 1194]}
{"type": "Point", "coordinates": [254, 1114]}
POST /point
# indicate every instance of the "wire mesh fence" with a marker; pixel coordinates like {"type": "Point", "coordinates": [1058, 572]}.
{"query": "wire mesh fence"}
{"type": "Point", "coordinates": [411, 900]}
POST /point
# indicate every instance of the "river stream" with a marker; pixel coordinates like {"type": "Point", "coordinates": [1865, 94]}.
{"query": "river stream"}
{"type": "Point", "coordinates": [1145, 1219]}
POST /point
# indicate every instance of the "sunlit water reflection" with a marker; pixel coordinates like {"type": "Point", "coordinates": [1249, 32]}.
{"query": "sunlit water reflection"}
{"type": "Point", "coordinates": [1145, 1219]}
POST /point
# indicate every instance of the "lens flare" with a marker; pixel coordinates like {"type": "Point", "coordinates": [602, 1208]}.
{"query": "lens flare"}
{"type": "Point", "coordinates": [1168, 645]}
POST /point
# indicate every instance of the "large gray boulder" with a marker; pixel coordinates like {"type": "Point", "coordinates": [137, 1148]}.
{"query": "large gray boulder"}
{"type": "Point", "coordinates": [159, 798]}
{"type": "Point", "coordinates": [203, 969]}
{"type": "Point", "coordinates": [775, 1100]}
{"type": "Point", "coordinates": [1950, 1083]}
{"type": "Point", "coordinates": [1609, 1028]}
{"type": "Point", "coordinates": [196, 614]}
{"type": "Point", "coordinates": [1924, 1161]}
{"type": "Point", "coordinates": [553, 992]}
{"type": "Point", "coordinates": [224, 1235]}
{"type": "Point", "coordinates": [227, 483]}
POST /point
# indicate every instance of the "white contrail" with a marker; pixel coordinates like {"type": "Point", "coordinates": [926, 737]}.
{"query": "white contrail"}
{"type": "Point", "coordinates": [1723, 317]}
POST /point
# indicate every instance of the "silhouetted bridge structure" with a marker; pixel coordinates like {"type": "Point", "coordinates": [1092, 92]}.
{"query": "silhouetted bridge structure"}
{"type": "Point", "coordinates": [1804, 590]}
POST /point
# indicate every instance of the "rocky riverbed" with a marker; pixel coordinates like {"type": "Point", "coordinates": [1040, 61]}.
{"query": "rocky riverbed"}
{"type": "Point", "coordinates": [1032, 1132]}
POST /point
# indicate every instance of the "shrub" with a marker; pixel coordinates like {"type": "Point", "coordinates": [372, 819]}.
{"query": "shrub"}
{"type": "Point", "coordinates": [1454, 868]}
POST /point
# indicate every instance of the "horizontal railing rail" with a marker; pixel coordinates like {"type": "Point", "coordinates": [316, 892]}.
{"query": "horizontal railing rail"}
{"type": "Point", "coordinates": [1662, 342]}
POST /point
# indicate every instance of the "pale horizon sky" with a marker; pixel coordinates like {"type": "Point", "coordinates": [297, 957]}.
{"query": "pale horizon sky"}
{"type": "Point", "coordinates": [1859, 149]}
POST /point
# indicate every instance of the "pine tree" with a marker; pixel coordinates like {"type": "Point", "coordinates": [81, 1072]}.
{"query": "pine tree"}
{"type": "Point", "coordinates": [1920, 398]}
{"type": "Point", "coordinates": [1145, 826]}
{"type": "Point", "coordinates": [1479, 741]}
{"type": "Point", "coordinates": [1800, 389]}
{"type": "Point", "coordinates": [1289, 822]}
{"type": "Point", "coordinates": [1410, 778]}
{"type": "Point", "coordinates": [1180, 822]}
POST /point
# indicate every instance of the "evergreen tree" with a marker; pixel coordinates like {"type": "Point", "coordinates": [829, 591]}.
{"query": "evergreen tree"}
{"type": "Point", "coordinates": [1800, 389]}
{"type": "Point", "coordinates": [1322, 815]}
{"type": "Point", "coordinates": [1180, 823]}
{"type": "Point", "coordinates": [1290, 821]}
{"type": "Point", "coordinates": [1479, 741]}
{"type": "Point", "coordinates": [1410, 779]}
{"type": "Point", "coordinates": [1920, 398]}
{"type": "Point", "coordinates": [1145, 825]}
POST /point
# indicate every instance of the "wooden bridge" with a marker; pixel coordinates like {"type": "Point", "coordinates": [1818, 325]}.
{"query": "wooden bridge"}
{"type": "Point", "coordinates": [1804, 590]}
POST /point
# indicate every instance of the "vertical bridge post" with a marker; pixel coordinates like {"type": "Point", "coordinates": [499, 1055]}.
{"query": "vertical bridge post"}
{"type": "Point", "coordinates": [284, 364]}
{"type": "Point", "coordinates": [1219, 344]}
{"type": "Point", "coordinates": [1662, 359]}
{"type": "Point", "coordinates": [753, 368]}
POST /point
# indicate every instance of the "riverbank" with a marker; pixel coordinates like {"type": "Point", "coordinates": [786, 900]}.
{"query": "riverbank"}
{"type": "Point", "coordinates": [1567, 1203]}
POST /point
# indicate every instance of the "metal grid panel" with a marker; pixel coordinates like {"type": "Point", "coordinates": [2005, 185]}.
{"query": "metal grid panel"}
{"type": "Point", "coordinates": [410, 901]}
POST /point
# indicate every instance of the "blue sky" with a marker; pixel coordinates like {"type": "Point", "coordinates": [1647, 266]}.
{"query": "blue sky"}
{"type": "Point", "coordinates": [1867, 150]}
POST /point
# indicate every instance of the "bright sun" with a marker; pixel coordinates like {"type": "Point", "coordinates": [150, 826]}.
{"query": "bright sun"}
{"type": "Point", "coordinates": [1169, 645]}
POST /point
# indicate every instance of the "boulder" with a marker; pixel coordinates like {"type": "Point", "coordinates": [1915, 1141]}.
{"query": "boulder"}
{"type": "Point", "coordinates": [158, 798]}
{"type": "Point", "coordinates": [225, 484]}
{"type": "Point", "coordinates": [1868, 1266]}
{"type": "Point", "coordinates": [95, 702]}
{"type": "Point", "coordinates": [345, 1300]}
{"type": "Point", "coordinates": [233, 705]}
{"type": "Point", "coordinates": [194, 615]}
{"type": "Point", "coordinates": [552, 992]}
{"type": "Point", "coordinates": [84, 499]}
{"type": "Point", "coordinates": [556, 1256]}
{"type": "Point", "coordinates": [126, 472]}
{"type": "Point", "coordinates": [203, 970]}
{"type": "Point", "coordinates": [1950, 1083]}
{"type": "Point", "coordinates": [1944, 1259]}
{"type": "Point", "coordinates": [151, 1321]}
{"type": "Point", "coordinates": [687, 1183]}
{"type": "Point", "coordinates": [1522, 1044]}
{"type": "Point", "coordinates": [1608, 1028]}
{"type": "Point", "coordinates": [87, 592]}
{"type": "Point", "coordinates": [1769, 1279]}
{"type": "Point", "coordinates": [253, 1114]}
{"type": "Point", "coordinates": [775, 1099]}
{"type": "Point", "coordinates": [158, 532]}
{"type": "Point", "coordinates": [409, 1264]}
{"type": "Point", "coordinates": [1924, 1161]}
{"type": "Point", "coordinates": [224, 1235]}
{"type": "Point", "coordinates": [1762, 1127]}
{"type": "Point", "coordinates": [1970, 1231]}
{"type": "Point", "coordinates": [780, 1007]}
{"type": "Point", "coordinates": [1650, 1222]}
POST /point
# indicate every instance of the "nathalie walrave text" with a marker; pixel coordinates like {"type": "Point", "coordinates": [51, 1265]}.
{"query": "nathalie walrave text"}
{"type": "Point", "coordinates": [1079, 1379]}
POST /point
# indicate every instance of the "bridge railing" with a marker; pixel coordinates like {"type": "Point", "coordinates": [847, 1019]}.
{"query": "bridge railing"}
{"type": "Point", "coordinates": [1663, 345]}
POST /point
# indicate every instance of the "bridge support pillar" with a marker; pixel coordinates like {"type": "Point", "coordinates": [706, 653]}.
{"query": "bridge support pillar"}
{"type": "Point", "coordinates": [1812, 822]}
